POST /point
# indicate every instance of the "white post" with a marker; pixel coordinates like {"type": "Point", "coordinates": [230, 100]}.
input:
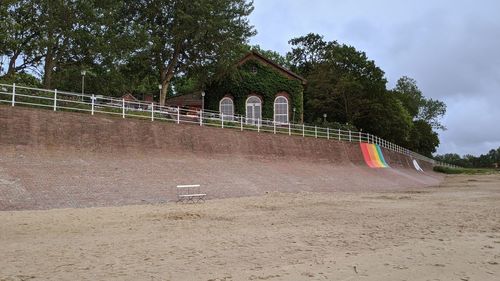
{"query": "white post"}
{"type": "Point", "coordinates": [13, 94]}
{"type": "Point", "coordinates": [359, 136]}
{"type": "Point", "coordinates": [123, 108]}
{"type": "Point", "coordinates": [55, 99]}
{"type": "Point", "coordinates": [241, 123]}
{"type": "Point", "coordinates": [222, 119]}
{"type": "Point", "coordinates": [178, 115]}
{"type": "Point", "coordinates": [93, 103]}
{"type": "Point", "coordinates": [289, 129]}
{"type": "Point", "coordinates": [350, 135]}
{"type": "Point", "coordinates": [274, 127]}
{"type": "Point", "coordinates": [303, 130]}
{"type": "Point", "coordinates": [316, 131]}
{"type": "Point", "coordinates": [258, 125]}
{"type": "Point", "coordinates": [152, 111]}
{"type": "Point", "coordinates": [328, 133]}
{"type": "Point", "coordinates": [201, 117]}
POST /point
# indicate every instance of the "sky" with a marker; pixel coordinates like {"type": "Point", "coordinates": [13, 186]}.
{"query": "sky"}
{"type": "Point", "coordinates": [452, 49]}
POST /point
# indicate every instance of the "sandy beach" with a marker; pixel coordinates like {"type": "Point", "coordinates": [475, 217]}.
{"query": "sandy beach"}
{"type": "Point", "coordinates": [448, 232]}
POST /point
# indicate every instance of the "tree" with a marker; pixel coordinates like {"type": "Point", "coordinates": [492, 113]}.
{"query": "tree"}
{"type": "Point", "coordinates": [348, 87]}
{"type": "Point", "coordinates": [423, 139]}
{"type": "Point", "coordinates": [272, 55]}
{"type": "Point", "coordinates": [420, 108]}
{"type": "Point", "coordinates": [19, 19]}
{"type": "Point", "coordinates": [183, 36]}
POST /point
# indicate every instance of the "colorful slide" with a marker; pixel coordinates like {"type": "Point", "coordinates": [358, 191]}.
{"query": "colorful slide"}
{"type": "Point", "coordinates": [373, 155]}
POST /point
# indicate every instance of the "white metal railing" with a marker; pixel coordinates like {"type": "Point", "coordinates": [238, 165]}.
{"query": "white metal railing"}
{"type": "Point", "coordinates": [68, 101]}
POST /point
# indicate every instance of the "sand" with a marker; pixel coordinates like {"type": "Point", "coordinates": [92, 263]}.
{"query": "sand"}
{"type": "Point", "coordinates": [449, 232]}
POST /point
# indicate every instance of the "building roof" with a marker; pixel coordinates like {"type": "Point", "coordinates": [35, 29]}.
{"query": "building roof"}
{"type": "Point", "coordinates": [192, 99]}
{"type": "Point", "coordinates": [258, 56]}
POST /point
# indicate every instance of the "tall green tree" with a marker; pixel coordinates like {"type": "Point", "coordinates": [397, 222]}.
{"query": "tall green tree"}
{"type": "Point", "coordinates": [348, 87]}
{"type": "Point", "coordinates": [420, 107]}
{"type": "Point", "coordinates": [184, 36]}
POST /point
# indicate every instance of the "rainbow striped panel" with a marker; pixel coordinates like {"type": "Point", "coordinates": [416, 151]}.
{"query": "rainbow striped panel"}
{"type": "Point", "coordinates": [373, 155]}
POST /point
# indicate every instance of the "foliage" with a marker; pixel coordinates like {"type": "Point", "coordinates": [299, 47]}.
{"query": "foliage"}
{"type": "Point", "coordinates": [185, 36]}
{"type": "Point", "coordinates": [344, 84]}
{"type": "Point", "coordinates": [468, 171]}
{"type": "Point", "coordinates": [420, 108]}
{"type": "Point", "coordinates": [266, 82]}
{"type": "Point", "coordinates": [488, 160]}
{"type": "Point", "coordinates": [423, 139]}
{"type": "Point", "coordinates": [272, 55]}
{"type": "Point", "coordinates": [22, 79]}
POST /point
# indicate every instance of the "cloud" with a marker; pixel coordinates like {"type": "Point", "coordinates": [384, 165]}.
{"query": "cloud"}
{"type": "Point", "coordinates": [450, 47]}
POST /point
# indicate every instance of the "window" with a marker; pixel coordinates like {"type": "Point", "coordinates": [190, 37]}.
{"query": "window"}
{"type": "Point", "coordinates": [253, 110]}
{"type": "Point", "coordinates": [226, 108]}
{"type": "Point", "coordinates": [281, 110]}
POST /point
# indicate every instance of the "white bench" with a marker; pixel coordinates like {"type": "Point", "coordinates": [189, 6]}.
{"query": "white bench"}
{"type": "Point", "coordinates": [190, 193]}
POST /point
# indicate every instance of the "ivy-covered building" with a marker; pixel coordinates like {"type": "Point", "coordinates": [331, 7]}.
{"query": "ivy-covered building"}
{"type": "Point", "coordinates": [258, 88]}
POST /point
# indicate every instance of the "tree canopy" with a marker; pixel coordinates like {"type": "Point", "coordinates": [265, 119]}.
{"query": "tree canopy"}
{"type": "Point", "coordinates": [349, 87]}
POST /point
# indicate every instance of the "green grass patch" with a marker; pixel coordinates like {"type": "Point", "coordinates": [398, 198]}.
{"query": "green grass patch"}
{"type": "Point", "coordinates": [466, 171]}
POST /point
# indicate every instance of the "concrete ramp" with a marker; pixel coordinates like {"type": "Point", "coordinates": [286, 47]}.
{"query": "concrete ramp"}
{"type": "Point", "coordinates": [61, 159]}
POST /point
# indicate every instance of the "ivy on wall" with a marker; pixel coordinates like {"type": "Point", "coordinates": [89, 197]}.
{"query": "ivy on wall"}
{"type": "Point", "coordinates": [256, 78]}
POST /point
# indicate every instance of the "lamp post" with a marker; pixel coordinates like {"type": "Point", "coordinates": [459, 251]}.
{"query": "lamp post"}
{"type": "Point", "coordinates": [159, 88]}
{"type": "Point", "coordinates": [294, 109]}
{"type": "Point", "coordinates": [202, 101]}
{"type": "Point", "coordinates": [83, 82]}
{"type": "Point", "coordinates": [324, 118]}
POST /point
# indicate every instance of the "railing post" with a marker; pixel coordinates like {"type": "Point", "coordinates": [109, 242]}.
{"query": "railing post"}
{"type": "Point", "coordinates": [327, 133]}
{"type": "Point", "coordinates": [222, 119]}
{"type": "Point", "coordinates": [55, 99]}
{"type": "Point", "coordinates": [178, 115]}
{"type": "Point", "coordinates": [152, 111]}
{"type": "Point", "coordinates": [303, 130]}
{"type": "Point", "coordinates": [258, 125]}
{"type": "Point", "coordinates": [339, 134]}
{"type": "Point", "coordinates": [201, 117]}
{"type": "Point", "coordinates": [368, 137]}
{"type": "Point", "coordinates": [274, 127]}
{"type": "Point", "coordinates": [123, 108]}
{"type": "Point", "coordinates": [241, 123]}
{"type": "Point", "coordinates": [93, 104]}
{"type": "Point", "coordinates": [13, 94]}
{"type": "Point", "coordinates": [350, 136]}
{"type": "Point", "coordinates": [289, 129]}
{"type": "Point", "coordinates": [359, 136]}
{"type": "Point", "coordinates": [316, 131]}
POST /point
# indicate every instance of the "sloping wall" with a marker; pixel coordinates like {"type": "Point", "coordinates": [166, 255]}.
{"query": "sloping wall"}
{"type": "Point", "coordinates": [62, 159]}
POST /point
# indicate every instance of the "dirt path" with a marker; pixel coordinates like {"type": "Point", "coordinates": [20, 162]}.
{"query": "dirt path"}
{"type": "Point", "coordinates": [451, 232]}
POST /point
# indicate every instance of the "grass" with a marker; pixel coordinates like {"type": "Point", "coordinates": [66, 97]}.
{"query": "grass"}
{"type": "Point", "coordinates": [466, 171]}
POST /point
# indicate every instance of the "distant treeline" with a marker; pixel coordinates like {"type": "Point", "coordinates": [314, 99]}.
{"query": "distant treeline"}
{"type": "Point", "coordinates": [488, 160]}
{"type": "Point", "coordinates": [167, 47]}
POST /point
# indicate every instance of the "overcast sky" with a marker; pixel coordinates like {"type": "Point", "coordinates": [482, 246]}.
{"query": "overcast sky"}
{"type": "Point", "coordinates": [452, 49]}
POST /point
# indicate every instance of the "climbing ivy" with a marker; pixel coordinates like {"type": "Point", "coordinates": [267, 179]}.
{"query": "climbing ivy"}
{"type": "Point", "coordinates": [254, 77]}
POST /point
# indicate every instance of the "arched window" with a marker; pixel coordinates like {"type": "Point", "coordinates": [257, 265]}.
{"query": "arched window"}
{"type": "Point", "coordinates": [253, 110]}
{"type": "Point", "coordinates": [226, 108]}
{"type": "Point", "coordinates": [281, 110]}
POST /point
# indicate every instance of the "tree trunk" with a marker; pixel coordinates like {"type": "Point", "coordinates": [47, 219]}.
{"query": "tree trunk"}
{"type": "Point", "coordinates": [48, 70]}
{"type": "Point", "coordinates": [12, 65]}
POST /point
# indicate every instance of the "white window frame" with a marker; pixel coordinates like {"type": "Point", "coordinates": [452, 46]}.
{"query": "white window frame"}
{"type": "Point", "coordinates": [226, 116]}
{"type": "Point", "coordinates": [259, 118]}
{"type": "Point", "coordinates": [287, 113]}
